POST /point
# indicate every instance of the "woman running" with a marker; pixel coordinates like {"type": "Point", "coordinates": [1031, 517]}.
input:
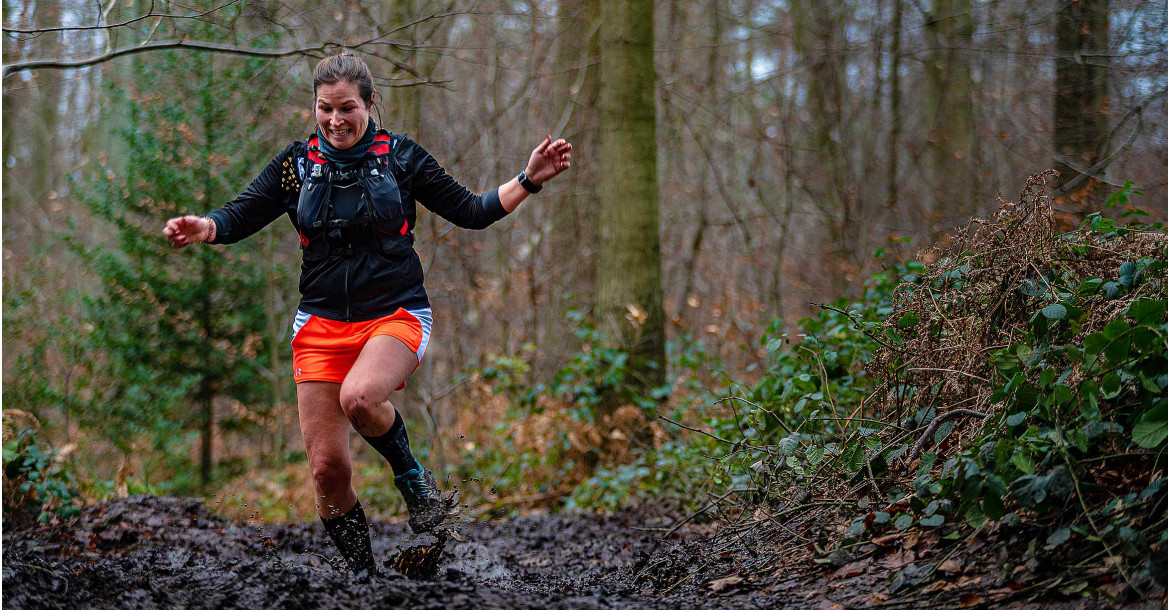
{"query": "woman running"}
{"type": "Point", "coordinates": [364, 319]}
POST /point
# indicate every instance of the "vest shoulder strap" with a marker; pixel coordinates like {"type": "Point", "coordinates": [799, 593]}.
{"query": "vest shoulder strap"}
{"type": "Point", "coordinates": [384, 143]}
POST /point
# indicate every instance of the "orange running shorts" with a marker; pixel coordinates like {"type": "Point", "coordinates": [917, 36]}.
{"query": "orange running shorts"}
{"type": "Point", "coordinates": [325, 350]}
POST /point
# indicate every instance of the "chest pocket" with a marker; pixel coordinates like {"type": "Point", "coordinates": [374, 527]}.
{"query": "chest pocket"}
{"type": "Point", "coordinates": [382, 188]}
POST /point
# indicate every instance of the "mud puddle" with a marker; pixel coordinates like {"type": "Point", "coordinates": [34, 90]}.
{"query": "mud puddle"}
{"type": "Point", "coordinates": [147, 552]}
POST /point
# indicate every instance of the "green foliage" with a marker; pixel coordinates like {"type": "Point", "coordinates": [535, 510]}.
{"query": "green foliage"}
{"type": "Point", "coordinates": [36, 481]}
{"type": "Point", "coordinates": [817, 370]}
{"type": "Point", "coordinates": [1082, 391]}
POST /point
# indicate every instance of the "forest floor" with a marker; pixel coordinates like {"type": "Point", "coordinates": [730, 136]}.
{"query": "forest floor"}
{"type": "Point", "coordinates": [147, 552]}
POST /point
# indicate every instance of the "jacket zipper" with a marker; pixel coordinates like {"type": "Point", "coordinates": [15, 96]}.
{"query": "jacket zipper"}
{"type": "Point", "coordinates": [347, 317]}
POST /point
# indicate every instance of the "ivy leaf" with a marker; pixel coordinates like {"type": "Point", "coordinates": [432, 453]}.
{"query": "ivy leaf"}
{"type": "Point", "coordinates": [1095, 344]}
{"type": "Point", "coordinates": [1055, 311]}
{"type": "Point", "coordinates": [943, 431]}
{"type": "Point", "coordinates": [1115, 329]}
{"type": "Point", "coordinates": [1111, 385]}
{"type": "Point", "coordinates": [933, 521]}
{"type": "Point", "coordinates": [881, 517]}
{"type": "Point", "coordinates": [1024, 462]}
{"type": "Point", "coordinates": [903, 522]}
{"type": "Point", "coordinates": [1089, 286]}
{"type": "Point", "coordinates": [1147, 311]}
{"type": "Point", "coordinates": [1127, 273]}
{"type": "Point", "coordinates": [1058, 537]}
{"type": "Point", "coordinates": [993, 506]}
{"type": "Point", "coordinates": [1016, 419]}
{"type": "Point", "coordinates": [1149, 434]}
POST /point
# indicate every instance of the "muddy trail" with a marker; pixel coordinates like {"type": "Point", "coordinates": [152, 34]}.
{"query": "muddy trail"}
{"type": "Point", "coordinates": [147, 552]}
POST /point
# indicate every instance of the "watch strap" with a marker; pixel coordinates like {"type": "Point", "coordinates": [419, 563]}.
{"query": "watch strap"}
{"type": "Point", "coordinates": [529, 185]}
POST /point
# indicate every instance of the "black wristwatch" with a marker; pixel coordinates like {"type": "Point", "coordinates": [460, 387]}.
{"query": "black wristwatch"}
{"type": "Point", "coordinates": [529, 185]}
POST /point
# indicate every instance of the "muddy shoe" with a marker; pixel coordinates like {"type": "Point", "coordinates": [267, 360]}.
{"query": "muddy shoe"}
{"type": "Point", "coordinates": [423, 500]}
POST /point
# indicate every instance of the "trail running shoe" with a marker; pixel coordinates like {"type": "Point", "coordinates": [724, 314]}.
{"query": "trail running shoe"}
{"type": "Point", "coordinates": [423, 500]}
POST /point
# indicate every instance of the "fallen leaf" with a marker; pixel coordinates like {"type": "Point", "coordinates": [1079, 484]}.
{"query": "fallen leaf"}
{"type": "Point", "coordinates": [887, 540]}
{"type": "Point", "coordinates": [968, 600]}
{"type": "Point", "coordinates": [910, 542]}
{"type": "Point", "coordinates": [878, 598]}
{"type": "Point", "coordinates": [854, 569]}
{"type": "Point", "coordinates": [938, 585]}
{"type": "Point", "coordinates": [898, 560]}
{"type": "Point", "coordinates": [950, 566]}
{"type": "Point", "coordinates": [722, 583]}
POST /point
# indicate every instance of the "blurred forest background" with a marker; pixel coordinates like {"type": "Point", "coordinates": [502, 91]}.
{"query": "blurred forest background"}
{"type": "Point", "coordinates": [790, 149]}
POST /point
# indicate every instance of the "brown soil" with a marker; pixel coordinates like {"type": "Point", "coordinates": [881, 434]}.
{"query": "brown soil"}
{"type": "Point", "coordinates": [147, 552]}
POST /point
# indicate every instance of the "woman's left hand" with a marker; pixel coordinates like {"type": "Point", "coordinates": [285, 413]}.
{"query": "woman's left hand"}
{"type": "Point", "coordinates": [548, 160]}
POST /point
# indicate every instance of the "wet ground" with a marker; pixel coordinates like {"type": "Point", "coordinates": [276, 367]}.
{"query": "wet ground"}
{"type": "Point", "coordinates": [148, 552]}
{"type": "Point", "coordinates": [166, 553]}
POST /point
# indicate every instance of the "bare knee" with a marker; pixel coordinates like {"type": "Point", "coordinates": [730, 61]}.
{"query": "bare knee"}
{"type": "Point", "coordinates": [367, 413]}
{"type": "Point", "coordinates": [331, 474]}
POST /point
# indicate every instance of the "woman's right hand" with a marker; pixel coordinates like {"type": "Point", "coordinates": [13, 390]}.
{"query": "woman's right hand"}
{"type": "Point", "coordinates": [189, 229]}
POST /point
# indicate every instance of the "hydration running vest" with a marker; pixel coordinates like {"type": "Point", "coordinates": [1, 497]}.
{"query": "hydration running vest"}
{"type": "Point", "coordinates": [373, 214]}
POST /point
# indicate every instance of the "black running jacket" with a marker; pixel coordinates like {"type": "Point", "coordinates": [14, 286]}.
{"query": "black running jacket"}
{"type": "Point", "coordinates": [361, 283]}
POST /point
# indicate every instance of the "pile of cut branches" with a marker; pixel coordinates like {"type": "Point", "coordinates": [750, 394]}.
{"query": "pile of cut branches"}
{"type": "Point", "coordinates": [1019, 401]}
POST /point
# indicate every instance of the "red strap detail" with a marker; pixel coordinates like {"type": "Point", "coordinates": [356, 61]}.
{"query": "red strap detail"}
{"type": "Point", "coordinates": [314, 150]}
{"type": "Point", "coordinates": [381, 146]}
{"type": "Point", "coordinates": [405, 227]}
{"type": "Point", "coordinates": [304, 240]}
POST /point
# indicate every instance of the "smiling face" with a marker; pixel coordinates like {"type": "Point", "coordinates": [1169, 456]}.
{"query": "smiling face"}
{"type": "Point", "coordinates": [341, 113]}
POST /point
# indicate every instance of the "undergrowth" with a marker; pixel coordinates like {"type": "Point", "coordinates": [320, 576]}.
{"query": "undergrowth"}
{"type": "Point", "coordinates": [1012, 386]}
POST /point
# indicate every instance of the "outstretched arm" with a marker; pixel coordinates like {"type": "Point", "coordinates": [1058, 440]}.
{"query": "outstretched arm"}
{"type": "Point", "coordinates": [545, 163]}
{"type": "Point", "coordinates": [189, 229]}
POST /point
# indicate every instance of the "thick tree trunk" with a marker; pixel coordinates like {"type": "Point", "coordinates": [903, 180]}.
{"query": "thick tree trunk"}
{"type": "Point", "coordinates": [821, 41]}
{"type": "Point", "coordinates": [1080, 109]}
{"type": "Point", "coordinates": [573, 216]}
{"type": "Point", "coordinates": [951, 138]}
{"type": "Point", "coordinates": [628, 299]}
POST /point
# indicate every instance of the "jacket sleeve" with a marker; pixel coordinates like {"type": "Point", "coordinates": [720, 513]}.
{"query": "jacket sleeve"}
{"type": "Point", "coordinates": [441, 194]}
{"type": "Point", "coordinates": [261, 203]}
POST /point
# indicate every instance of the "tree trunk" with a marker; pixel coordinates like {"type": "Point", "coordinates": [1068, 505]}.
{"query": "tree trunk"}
{"type": "Point", "coordinates": [951, 138]}
{"type": "Point", "coordinates": [628, 299]}
{"type": "Point", "coordinates": [1080, 111]}
{"type": "Point", "coordinates": [572, 223]}
{"type": "Point", "coordinates": [895, 108]}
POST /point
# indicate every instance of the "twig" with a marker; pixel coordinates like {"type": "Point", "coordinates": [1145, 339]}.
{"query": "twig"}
{"type": "Point", "coordinates": [765, 410]}
{"type": "Point", "coordinates": [109, 26]}
{"type": "Point", "coordinates": [703, 432]}
{"type": "Point", "coordinates": [856, 324]}
{"type": "Point", "coordinates": [934, 424]}
{"type": "Point", "coordinates": [971, 375]}
{"type": "Point", "coordinates": [1084, 507]}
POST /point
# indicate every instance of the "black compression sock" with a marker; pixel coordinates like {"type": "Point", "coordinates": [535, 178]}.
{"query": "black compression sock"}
{"type": "Point", "coordinates": [395, 446]}
{"type": "Point", "coordinates": [351, 536]}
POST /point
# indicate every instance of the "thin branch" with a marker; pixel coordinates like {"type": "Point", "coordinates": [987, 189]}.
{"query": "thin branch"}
{"type": "Point", "coordinates": [110, 26]}
{"type": "Point", "coordinates": [934, 424]}
{"type": "Point", "coordinates": [703, 432]}
{"type": "Point", "coordinates": [856, 325]}
{"type": "Point", "coordinates": [210, 47]}
{"type": "Point", "coordinates": [1085, 174]}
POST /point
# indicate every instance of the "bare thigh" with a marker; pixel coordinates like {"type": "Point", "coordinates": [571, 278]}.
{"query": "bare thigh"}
{"type": "Point", "coordinates": [383, 365]}
{"type": "Point", "coordinates": [326, 432]}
